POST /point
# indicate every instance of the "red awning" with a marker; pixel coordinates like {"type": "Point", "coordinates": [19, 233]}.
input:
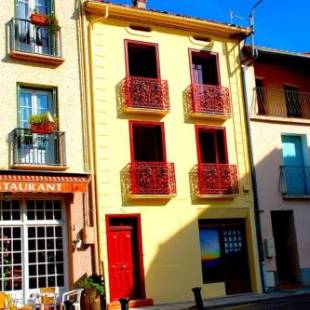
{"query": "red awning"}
{"type": "Point", "coordinates": [15, 183]}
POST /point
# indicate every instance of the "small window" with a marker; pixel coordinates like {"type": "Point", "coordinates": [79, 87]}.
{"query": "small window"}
{"type": "Point", "coordinates": [204, 68]}
{"type": "Point", "coordinates": [148, 142]}
{"type": "Point", "coordinates": [211, 146]}
{"type": "Point", "coordinates": [142, 60]}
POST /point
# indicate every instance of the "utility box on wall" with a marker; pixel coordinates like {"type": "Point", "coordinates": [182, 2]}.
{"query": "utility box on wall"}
{"type": "Point", "coordinates": [269, 248]}
{"type": "Point", "coordinates": [88, 235]}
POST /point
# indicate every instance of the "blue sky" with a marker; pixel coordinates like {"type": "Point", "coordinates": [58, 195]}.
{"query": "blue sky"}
{"type": "Point", "coordinates": [282, 24]}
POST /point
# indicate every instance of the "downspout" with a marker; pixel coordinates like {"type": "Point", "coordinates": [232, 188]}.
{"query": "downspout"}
{"type": "Point", "coordinates": [254, 180]}
{"type": "Point", "coordinates": [89, 130]}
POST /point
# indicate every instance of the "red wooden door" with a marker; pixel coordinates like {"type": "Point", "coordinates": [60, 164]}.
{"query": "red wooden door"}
{"type": "Point", "coordinates": [121, 262]}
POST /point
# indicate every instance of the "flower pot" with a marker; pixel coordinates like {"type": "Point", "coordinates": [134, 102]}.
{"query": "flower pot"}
{"type": "Point", "coordinates": [91, 299]}
{"type": "Point", "coordinates": [44, 128]}
{"type": "Point", "coordinates": [38, 19]}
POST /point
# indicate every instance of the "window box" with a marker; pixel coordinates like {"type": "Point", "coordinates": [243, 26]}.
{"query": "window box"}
{"type": "Point", "coordinates": [45, 128]}
{"type": "Point", "coordinates": [39, 19]}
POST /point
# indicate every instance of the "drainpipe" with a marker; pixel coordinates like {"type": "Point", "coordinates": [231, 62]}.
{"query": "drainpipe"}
{"type": "Point", "coordinates": [254, 180]}
{"type": "Point", "coordinates": [88, 128]}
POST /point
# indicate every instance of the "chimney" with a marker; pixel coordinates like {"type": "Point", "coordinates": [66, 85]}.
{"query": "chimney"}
{"type": "Point", "coordinates": [140, 4]}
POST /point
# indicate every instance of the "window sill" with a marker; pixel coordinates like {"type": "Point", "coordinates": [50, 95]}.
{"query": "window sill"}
{"type": "Point", "coordinates": [151, 196]}
{"type": "Point", "coordinates": [44, 59]}
{"type": "Point", "coordinates": [207, 115]}
{"type": "Point", "coordinates": [216, 196]}
{"type": "Point", "coordinates": [145, 111]}
{"type": "Point", "coordinates": [39, 167]}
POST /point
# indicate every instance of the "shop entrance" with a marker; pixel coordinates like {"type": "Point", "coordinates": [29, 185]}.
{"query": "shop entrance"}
{"type": "Point", "coordinates": [224, 255]}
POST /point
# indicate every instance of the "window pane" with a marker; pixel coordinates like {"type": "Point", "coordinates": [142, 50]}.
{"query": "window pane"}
{"type": "Point", "coordinates": [10, 258]}
{"type": "Point", "coordinates": [47, 264]}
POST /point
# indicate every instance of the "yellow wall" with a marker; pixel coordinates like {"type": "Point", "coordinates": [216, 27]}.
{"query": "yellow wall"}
{"type": "Point", "coordinates": [171, 250]}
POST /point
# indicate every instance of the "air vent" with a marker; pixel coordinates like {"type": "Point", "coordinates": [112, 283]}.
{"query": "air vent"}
{"type": "Point", "coordinates": [140, 28]}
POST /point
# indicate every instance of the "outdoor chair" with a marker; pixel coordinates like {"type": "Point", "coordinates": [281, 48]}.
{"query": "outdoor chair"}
{"type": "Point", "coordinates": [46, 299]}
{"type": "Point", "coordinates": [72, 298]}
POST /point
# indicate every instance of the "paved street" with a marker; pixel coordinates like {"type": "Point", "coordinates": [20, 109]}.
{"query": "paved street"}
{"type": "Point", "coordinates": [294, 302]}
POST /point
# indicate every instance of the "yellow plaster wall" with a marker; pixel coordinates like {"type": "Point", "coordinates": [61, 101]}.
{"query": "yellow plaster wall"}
{"type": "Point", "coordinates": [171, 250]}
{"type": "Point", "coordinates": [66, 78]}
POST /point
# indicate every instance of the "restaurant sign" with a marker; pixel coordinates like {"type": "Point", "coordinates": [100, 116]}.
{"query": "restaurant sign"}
{"type": "Point", "coordinates": [44, 185]}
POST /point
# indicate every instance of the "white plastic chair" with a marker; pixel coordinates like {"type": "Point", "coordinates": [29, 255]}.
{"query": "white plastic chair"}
{"type": "Point", "coordinates": [73, 296]}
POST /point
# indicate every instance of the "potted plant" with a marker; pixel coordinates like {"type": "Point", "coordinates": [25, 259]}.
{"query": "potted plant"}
{"type": "Point", "coordinates": [39, 19]}
{"type": "Point", "coordinates": [53, 25]}
{"type": "Point", "coordinates": [43, 123]}
{"type": "Point", "coordinates": [94, 292]}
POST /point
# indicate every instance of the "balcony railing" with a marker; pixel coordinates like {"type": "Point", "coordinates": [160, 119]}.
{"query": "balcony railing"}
{"type": "Point", "coordinates": [152, 178]}
{"type": "Point", "coordinates": [37, 150]}
{"type": "Point", "coordinates": [28, 39]}
{"type": "Point", "coordinates": [142, 93]}
{"type": "Point", "coordinates": [295, 181]}
{"type": "Point", "coordinates": [273, 102]}
{"type": "Point", "coordinates": [210, 100]}
{"type": "Point", "coordinates": [217, 179]}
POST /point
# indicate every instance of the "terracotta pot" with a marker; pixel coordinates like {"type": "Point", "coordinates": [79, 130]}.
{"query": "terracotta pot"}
{"type": "Point", "coordinates": [91, 300]}
{"type": "Point", "coordinates": [44, 128]}
{"type": "Point", "coordinates": [38, 19]}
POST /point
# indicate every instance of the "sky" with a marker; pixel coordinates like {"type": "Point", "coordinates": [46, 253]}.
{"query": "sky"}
{"type": "Point", "coordinates": [281, 24]}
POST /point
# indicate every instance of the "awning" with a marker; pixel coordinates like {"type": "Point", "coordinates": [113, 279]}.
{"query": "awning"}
{"type": "Point", "coordinates": [17, 183]}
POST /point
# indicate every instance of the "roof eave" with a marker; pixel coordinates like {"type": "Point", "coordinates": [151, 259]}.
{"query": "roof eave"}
{"type": "Point", "coordinates": [165, 20]}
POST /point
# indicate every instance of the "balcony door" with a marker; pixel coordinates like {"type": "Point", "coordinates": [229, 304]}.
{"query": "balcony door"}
{"type": "Point", "coordinates": [148, 142]}
{"type": "Point", "coordinates": [41, 148]}
{"type": "Point", "coordinates": [294, 165]}
{"type": "Point", "coordinates": [292, 101]}
{"type": "Point", "coordinates": [211, 145]}
{"type": "Point", "coordinates": [204, 68]}
{"type": "Point", "coordinates": [142, 59]}
{"type": "Point", "coordinates": [32, 38]}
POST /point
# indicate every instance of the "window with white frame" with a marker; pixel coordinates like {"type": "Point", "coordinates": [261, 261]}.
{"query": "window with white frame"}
{"type": "Point", "coordinates": [32, 243]}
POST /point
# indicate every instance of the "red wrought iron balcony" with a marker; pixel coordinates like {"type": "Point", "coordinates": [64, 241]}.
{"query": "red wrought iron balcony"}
{"type": "Point", "coordinates": [274, 103]}
{"type": "Point", "coordinates": [210, 101]}
{"type": "Point", "coordinates": [217, 180]}
{"type": "Point", "coordinates": [143, 94]}
{"type": "Point", "coordinates": [152, 180]}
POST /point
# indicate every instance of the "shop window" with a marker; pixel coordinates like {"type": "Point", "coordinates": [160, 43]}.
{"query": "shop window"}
{"type": "Point", "coordinates": [148, 142]}
{"type": "Point", "coordinates": [211, 146]}
{"type": "Point", "coordinates": [204, 68]}
{"type": "Point", "coordinates": [31, 246]}
{"type": "Point", "coordinates": [224, 255]}
{"type": "Point", "coordinates": [142, 60]}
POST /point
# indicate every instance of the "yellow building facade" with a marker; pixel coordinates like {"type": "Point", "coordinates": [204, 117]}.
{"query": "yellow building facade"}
{"type": "Point", "coordinates": [44, 174]}
{"type": "Point", "coordinates": [174, 194]}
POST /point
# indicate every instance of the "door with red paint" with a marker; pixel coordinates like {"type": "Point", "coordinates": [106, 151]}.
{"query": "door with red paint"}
{"type": "Point", "coordinates": [122, 267]}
